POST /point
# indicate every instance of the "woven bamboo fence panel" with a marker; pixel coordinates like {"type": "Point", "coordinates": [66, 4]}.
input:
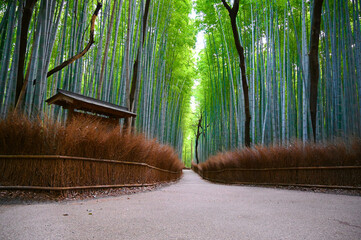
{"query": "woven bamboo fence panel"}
{"type": "Point", "coordinates": [347, 177]}
{"type": "Point", "coordinates": [64, 172]}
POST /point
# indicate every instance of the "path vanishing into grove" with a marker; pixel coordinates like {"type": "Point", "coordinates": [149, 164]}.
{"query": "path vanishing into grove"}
{"type": "Point", "coordinates": [190, 209]}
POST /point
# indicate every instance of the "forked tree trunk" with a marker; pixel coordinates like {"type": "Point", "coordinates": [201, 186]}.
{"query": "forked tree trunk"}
{"type": "Point", "coordinates": [233, 16]}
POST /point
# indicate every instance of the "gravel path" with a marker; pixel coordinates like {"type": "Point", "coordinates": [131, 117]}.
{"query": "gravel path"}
{"type": "Point", "coordinates": [190, 209]}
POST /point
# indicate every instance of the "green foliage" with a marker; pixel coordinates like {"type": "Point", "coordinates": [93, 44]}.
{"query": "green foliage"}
{"type": "Point", "coordinates": [166, 62]}
{"type": "Point", "coordinates": [272, 37]}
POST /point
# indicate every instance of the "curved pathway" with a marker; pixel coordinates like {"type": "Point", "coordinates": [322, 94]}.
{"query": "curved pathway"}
{"type": "Point", "coordinates": [190, 209]}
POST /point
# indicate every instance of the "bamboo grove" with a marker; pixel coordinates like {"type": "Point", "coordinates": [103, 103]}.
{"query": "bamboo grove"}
{"type": "Point", "coordinates": [276, 40]}
{"type": "Point", "coordinates": [158, 34]}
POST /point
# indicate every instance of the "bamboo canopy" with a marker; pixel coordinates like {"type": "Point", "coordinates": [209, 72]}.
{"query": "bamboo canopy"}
{"type": "Point", "coordinates": [73, 101]}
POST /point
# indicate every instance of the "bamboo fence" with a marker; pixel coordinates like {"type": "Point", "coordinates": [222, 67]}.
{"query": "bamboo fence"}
{"type": "Point", "coordinates": [337, 177]}
{"type": "Point", "coordinates": [59, 173]}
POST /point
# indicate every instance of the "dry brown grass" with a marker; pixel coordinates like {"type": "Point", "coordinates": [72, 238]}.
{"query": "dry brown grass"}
{"type": "Point", "coordinates": [83, 137]}
{"type": "Point", "coordinates": [293, 156]}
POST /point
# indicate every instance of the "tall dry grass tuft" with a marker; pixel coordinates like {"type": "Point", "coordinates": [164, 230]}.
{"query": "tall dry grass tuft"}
{"type": "Point", "coordinates": [295, 155]}
{"type": "Point", "coordinates": [83, 137]}
{"type": "Point", "coordinates": [222, 167]}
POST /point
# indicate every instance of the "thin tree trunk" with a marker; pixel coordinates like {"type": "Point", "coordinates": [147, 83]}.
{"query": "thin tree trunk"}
{"type": "Point", "coordinates": [127, 61]}
{"type": "Point", "coordinates": [25, 22]}
{"type": "Point", "coordinates": [136, 62]}
{"type": "Point", "coordinates": [233, 16]}
{"type": "Point", "coordinates": [313, 61]}
{"type": "Point", "coordinates": [133, 86]}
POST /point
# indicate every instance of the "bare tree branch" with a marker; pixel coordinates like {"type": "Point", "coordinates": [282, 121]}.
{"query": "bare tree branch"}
{"type": "Point", "coordinates": [86, 49]}
{"type": "Point", "coordinates": [227, 6]}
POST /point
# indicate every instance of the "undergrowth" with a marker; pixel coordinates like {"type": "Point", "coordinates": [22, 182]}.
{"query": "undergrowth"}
{"type": "Point", "coordinates": [297, 163]}
{"type": "Point", "coordinates": [82, 137]}
{"type": "Point", "coordinates": [296, 154]}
